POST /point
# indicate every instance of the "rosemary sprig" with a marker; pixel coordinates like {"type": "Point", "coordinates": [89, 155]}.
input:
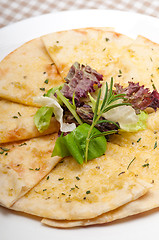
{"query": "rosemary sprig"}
{"type": "Point", "coordinates": [107, 105]}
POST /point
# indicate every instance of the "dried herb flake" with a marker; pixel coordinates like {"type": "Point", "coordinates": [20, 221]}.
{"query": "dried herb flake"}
{"type": "Point", "coordinates": [42, 89]}
{"type": "Point", "coordinates": [61, 179]}
{"type": "Point", "coordinates": [139, 140]}
{"type": "Point", "coordinates": [37, 169]}
{"type": "Point", "coordinates": [131, 162]}
{"type": "Point", "coordinates": [46, 81]}
{"type": "Point", "coordinates": [155, 145]}
{"type": "Point", "coordinates": [88, 192]}
{"type": "Point", "coordinates": [146, 165]}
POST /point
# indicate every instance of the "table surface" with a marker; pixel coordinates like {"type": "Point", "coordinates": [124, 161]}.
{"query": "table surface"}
{"type": "Point", "coordinates": [12, 11]}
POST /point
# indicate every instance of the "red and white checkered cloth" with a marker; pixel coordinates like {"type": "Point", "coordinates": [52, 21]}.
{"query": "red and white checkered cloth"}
{"type": "Point", "coordinates": [15, 10]}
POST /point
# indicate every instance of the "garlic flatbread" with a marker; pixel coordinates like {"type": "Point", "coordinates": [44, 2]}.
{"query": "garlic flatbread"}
{"type": "Point", "coordinates": [124, 181]}
{"type": "Point", "coordinates": [96, 47]}
{"type": "Point", "coordinates": [144, 162]}
{"type": "Point", "coordinates": [17, 122]}
{"type": "Point", "coordinates": [145, 166]}
{"type": "Point", "coordinates": [72, 191]}
{"type": "Point", "coordinates": [140, 63]}
{"type": "Point", "coordinates": [23, 165]}
{"type": "Point", "coordinates": [27, 72]}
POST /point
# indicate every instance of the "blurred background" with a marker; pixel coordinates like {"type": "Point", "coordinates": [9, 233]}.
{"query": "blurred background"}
{"type": "Point", "coordinates": [12, 11]}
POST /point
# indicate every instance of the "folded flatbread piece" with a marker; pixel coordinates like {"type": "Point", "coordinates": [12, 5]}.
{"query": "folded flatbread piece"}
{"type": "Point", "coordinates": [144, 163]}
{"type": "Point", "coordinates": [17, 122]}
{"type": "Point", "coordinates": [72, 191]}
{"type": "Point", "coordinates": [98, 48]}
{"type": "Point", "coordinates": [142, 204]}
{"type": "Point", "coordinates": [27, 72]}
{"type": "Point", "coordinates": [23, 165]}
{"type": "Point", "coordinates": [140, 63]}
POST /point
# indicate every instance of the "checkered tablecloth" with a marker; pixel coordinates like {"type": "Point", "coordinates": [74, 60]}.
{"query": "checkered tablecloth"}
{"type": "Point", "coordinates": [15, 10]}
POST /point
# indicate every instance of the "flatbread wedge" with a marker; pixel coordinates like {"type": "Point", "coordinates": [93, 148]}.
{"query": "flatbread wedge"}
{"type": "Point", "coordinates": [145, 203]}
{"type": "Point", "coordinates": [97, 48]}
{"type": "Point", "coordinates": [17, 122]}
{"type": "Point", "coordinates": [142, 204]}
{"type": "Point", "coordinates": [23, 164]}
{"type": "Point", "coordinates": [144, 163]}
{"type": "Point", "coordinates": [72, 191]}
{"type": "Point", "coordinates": [139, 63]}
{"type": "Point", "coordinates": [27, 72]}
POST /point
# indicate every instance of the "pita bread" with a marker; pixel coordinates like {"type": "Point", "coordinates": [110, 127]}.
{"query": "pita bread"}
{"type": "Point", "coordinates": [23, 73]}
{"type": "Point", "coordinates": [17, 122]}
{"type": "Point", "coordinates": [23, 165]}
{"type": "Point", "coordinates": [98, 48]}
{"type": "Point", "coordinates": [72, 191]}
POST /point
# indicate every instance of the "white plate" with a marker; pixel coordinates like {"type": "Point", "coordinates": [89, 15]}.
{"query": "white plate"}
{"type": "Point", "coordinates": [23, 227]}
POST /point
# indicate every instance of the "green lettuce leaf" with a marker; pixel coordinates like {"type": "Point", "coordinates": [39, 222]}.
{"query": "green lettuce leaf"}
{"type": "Point", "coordinates": [57, 110]}
{"type": "Point", "coordinates": [53, 90]}
{"type": "Point", "coordinates": [42, 118]}
{"type": "Point", "coordinates": [60, 148]}
{"type": "Point", "coordinates": [134, 127]}
{"type": "Point", "coordinates": [74, 144]}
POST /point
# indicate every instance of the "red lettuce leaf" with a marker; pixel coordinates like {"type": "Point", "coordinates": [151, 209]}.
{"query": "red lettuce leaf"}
{"type": "Point", "coordinates": [139, 96]}
{"type": "Point", "coordinates": [80, 80]}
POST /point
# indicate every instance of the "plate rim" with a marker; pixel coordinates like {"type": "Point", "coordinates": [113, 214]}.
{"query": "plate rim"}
{"type": "Point", "coordinates": [33, 18]}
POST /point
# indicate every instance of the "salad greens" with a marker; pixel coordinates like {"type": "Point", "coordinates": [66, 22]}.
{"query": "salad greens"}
{"type": "Point", "coordinates": [70, 106]}
{"type": "Point", "coordinates": [42, 118]}
{"type": "Point", "coordinates": [57, 110]}
{"type": "Point", "coordinates": [81, 136]}
{"type": "Point", "coordinates": [107, 105]}
{"type": "Point", "coordinates": [134, 127]}
{"type": "Point", "coordinates": [86, 142]}
{"type": "Point", "coordinates": [74, 144]}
